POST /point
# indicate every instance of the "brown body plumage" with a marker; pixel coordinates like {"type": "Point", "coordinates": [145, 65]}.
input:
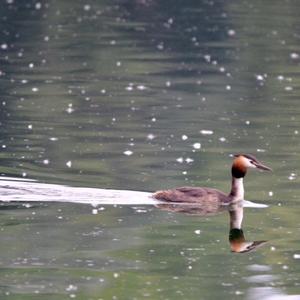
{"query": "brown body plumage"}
{"type": "Point", "coordinates": [209, 196]}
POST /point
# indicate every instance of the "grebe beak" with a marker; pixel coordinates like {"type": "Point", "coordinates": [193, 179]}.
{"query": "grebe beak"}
{"type": "Point", "coordinates": [260, 166]}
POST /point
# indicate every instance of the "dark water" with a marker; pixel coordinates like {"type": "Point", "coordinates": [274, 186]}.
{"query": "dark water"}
{"type": "Point", "coordinates": [143, 95]}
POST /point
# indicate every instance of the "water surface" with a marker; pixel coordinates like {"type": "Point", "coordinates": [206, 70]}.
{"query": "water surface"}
{"type": "Point", "coordinates": [140, 96]}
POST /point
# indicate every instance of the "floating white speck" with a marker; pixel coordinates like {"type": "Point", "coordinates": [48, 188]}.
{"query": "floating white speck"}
{"type": "Point", "coordinates": [228, 87]}
{"type": "Point", "coordinates": [128, 152]}
{"type": "Point", "coordinates": [129, 88]}
{"type": "Point", "coordinates": [71, 287]}
{"type": "Point", "coordinates": [46, 38]}
{"type": "Point", "coordinates": [294, 55]}
{"type": "Point", "coordinates": [69, 110]}
{"type": "Point", "coordinates": [206, 132]}
{"type": "Point", "coordinates": [296, 256]}
{"type": "Point", "coordinates": [271, 193]}
{"type": "Point", "coordinates": [95, 211]}
{"type": "Point", "coordinates": [280, 77]}
{"type": "Point", "coordinates": [260, 150]}
{"type": "Point", "coordinates": [38, 5]}
{"type": "Point", "coordinates": [184, 137]}
{"type": "Point", "coordinates": [116, 275]}
{"type": "Point", "coordinates": [4, 46]}
{"type": "Point", "coordinates": [207, 57]}
{"type": "Point", "coordinates": [238, 292]}
{"type": "Point", "coordinates": [231, 32]}
{"type": "Point", "coordinates": [189, 160]}
{"type": "Point", "coordinates": [69, 164]}
{"type": "Point", "coordinates": [179, 159]}
{"type": "Point", "coordinates": [35, 89]}
{"type": "Point", "coordinates": [222, 139]}
{"type": "Point", "coordinates": [288, 88]}
{"type": "Point", "coordinates": [29, 126]}
{"type": "Point", "coordinates": [31, 65]}
{"type": "Point", "coordinates": [46, 161]}
{"type": "Point", "coordinates": [24, 174]}
{"type": "Point", "coordinates": [150, 136]}
{"type": "Point", "coordinates": [247, 122]}
{"type": "Point", "coordinates": [153, 120]}
{"type": "Point", "coordinates": [3, 146]}
{"type": "Point", "coordinates": [292, 176]}
{"type": "Point", "coordinates": [197, 231]}
{"type": "Point", "coordinates": [296, 132]}
{"type": "Point", "coordinates": [141, 87]}
{"type": "Point", "coordinates": [168, 83]}
{"type": "Point", "coordinates": [160, 46]}
{"type": "Point", "coordinates": [260, 77]}
{"type": "Point", "coordinates": [53, 139]}
{"type": "Point", "coordinates": [87, 7]}
{"type": "Point", "coordinates": [197, 146]}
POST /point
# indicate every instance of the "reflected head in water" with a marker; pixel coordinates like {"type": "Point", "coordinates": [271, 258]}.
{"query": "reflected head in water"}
{"type": "Point", "coordinates": [237, 239]}
{"type": "Point", "coordinates": [209, 196]}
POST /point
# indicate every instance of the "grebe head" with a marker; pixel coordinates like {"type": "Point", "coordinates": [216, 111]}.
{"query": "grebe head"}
{"type": "Point", "coordinates": [244, 161]}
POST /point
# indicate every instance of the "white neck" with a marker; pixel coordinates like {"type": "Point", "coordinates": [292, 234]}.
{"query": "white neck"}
{"type": "Point", "coordinates": [237, 189]}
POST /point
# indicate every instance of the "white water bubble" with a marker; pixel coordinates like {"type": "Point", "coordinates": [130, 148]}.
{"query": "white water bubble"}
{"type": "Point", "coordinates": [206, 132]}
{"type": "Point", "coordinates": [292, 176]}
{"type": "Point", "coordinates": [87, 7]}
{"type": "Point", "coordinates": [259, 77]}
{"type": "Point", "coordinates": [197, 231]}
{"type": "Point", "coordinates": [231, 32]}
{"type": "Point", "coordinates": [179, 159]}
{"type": "Point", "coordinates": [4, 46]}
{"type": "Point", "coordinates": [46, 161]}
{"type": "Point", "coordinates": [184, 137]}
{"type": "Point", "coordinates": [30, 126]}
{"type": "Point", "coordinates": [129, 88]}
{"type": "Point", "coordinates": [141, 87]}
{"type": "Point", "coordinates": [189, 160]}
{"type": "Point", "coordinates": [197, 146]}
{"type": "Point", "coordinates": [288, 88]}
{"type": "Point", "coordinates": [294, 55]}
{"type": "Point", "coordinates": [35, 89]}
{"type": "Point", "coordinates": [128, 152]}
{"type": "Point", "coordinates": [280, 77]}
{"type": "Point", "coordinates": [151, 136]}
{"type": "Point", "coordinates": [69, 164]}
{"type": "Point", "coordinates": [296, 256]}
{"type": "Point", "coordinates": [207, 57]}
{"type": "Point", "coordinates": [38, 6]}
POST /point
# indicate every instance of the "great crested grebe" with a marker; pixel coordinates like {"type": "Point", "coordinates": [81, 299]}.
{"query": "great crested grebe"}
{"type": "Point", "coordinates": [204, 195]}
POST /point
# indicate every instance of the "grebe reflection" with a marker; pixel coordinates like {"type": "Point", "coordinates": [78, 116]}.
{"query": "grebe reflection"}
{"type": "Point", "coordinates": [237, 240]}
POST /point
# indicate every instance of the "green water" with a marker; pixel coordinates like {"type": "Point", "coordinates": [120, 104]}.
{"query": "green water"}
{"type": "Point", "coordinates": [144, 95]}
